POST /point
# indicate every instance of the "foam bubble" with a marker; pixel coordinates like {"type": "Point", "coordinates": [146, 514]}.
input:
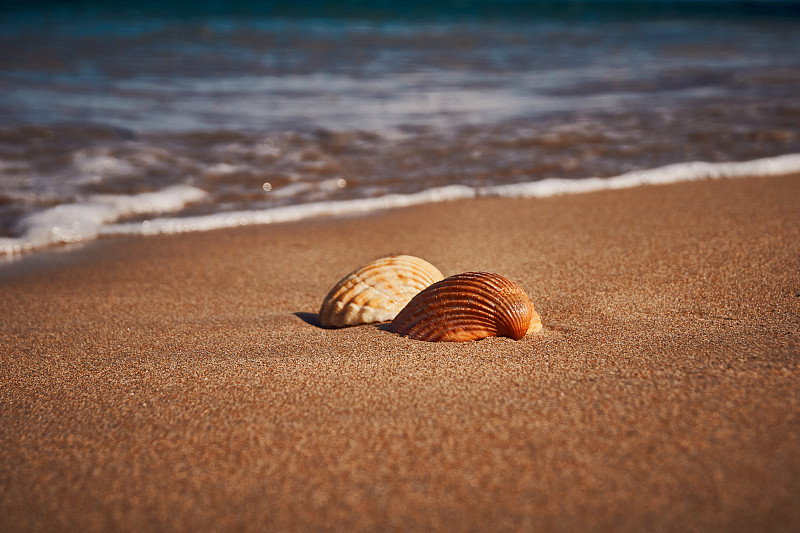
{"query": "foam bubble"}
{"type": "Point", "coordinates": [94, 166]}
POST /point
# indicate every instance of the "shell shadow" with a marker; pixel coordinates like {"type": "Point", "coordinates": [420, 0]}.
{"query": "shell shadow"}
{"type": "Point", "coordinates": [312, 319]}
{"type": "Point", "coordinates": [383, 326]}
{"type": "Point", "coordinates": [309, 318]}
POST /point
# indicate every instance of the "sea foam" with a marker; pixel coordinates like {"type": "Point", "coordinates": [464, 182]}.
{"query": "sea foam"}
{"type": "Point", "coordinates": [99, 215]}
{"type": "Point", "coordinates": [772, 166]}
{"type": "Point", "coordinates": [86, 220]}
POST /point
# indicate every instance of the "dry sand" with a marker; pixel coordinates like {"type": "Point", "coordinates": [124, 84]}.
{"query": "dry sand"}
{"type": "Point", "coordinates": [181, 382]}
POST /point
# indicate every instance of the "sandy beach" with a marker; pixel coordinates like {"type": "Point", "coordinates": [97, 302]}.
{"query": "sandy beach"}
{"type": "Point", "coordinates": [181, 383]}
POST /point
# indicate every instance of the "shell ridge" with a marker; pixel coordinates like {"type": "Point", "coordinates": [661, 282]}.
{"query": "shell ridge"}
{"type": "Point", "coordinates": [467, 306]}
{"type": "Point", "coordinates": [377, 291]}
{"type": "Point", "coordinates": [478, 298]}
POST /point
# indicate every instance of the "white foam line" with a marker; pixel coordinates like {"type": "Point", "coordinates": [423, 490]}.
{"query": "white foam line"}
{"type": "Point", "coordinates": [85, 221]}
{"type": "Point", "coordinates": [772, 166]}
{"type": "Point", "coordinates": [288, 213]}
{"type": "Point", "coordinates": [679, 172]}
{"type": "Point", "coordinates": [97, 216]}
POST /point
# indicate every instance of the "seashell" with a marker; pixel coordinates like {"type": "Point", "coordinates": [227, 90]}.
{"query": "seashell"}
{"type": "Point", "coordinates": [468, 306]}
{"type": "Point", "coordinates": [377, 291]}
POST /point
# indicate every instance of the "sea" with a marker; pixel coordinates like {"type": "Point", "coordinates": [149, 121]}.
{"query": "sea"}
{"type": "Point", "coordinates": [143, 118]}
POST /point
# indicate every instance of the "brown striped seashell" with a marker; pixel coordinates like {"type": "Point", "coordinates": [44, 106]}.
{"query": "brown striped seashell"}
{"type": "Point", "coordinates": [466, 307]}
{"type": "Point", "coordinates": [377, 291]}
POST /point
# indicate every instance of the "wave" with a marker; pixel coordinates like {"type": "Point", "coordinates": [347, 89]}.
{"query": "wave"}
{"type": "Point", "coordinates": [87, 220]}
{"type": "Point", "coordinates": [99, 216]}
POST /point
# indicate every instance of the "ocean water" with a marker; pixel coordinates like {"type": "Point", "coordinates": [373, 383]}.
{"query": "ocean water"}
{"type": "Point", "coordinates": [149, 117]}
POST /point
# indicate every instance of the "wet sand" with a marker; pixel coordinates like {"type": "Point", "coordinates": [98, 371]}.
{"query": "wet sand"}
{"type": "Point", "coordinates": [182, 383]}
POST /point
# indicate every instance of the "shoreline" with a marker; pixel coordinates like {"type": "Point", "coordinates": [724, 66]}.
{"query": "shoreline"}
{"type": "Point", "coordinates": [99, 216]}
{"type": "Point", "coordinates": [180, 382]}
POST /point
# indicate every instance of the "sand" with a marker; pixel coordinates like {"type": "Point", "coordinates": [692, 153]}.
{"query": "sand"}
{"type": "Point", "coordinates": [181, 382]}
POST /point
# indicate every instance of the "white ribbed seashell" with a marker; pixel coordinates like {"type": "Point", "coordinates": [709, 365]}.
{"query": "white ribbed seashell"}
{"type": "Point", "coordinates": [377, 291]}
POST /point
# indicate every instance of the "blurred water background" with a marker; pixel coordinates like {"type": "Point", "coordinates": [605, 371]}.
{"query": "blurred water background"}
{"type": "Point", "coordinates": [145, 117]}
